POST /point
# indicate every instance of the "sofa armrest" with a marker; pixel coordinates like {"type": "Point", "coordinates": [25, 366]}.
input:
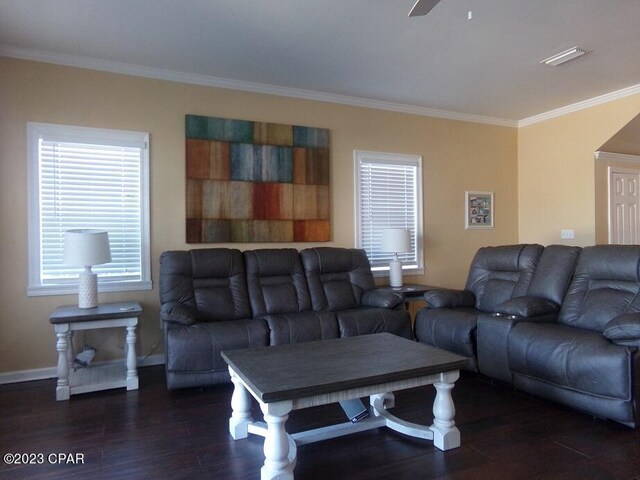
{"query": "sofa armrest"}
{"type": "Point", "coordinates": [449, 298]}
{"type": "Point", "coordinates": [527, 307]}
{"type": "Point", "coordinates": [624, 330]}
{"type": "Point", "coordinates": [382, 298]}
{"type": "Point", "coordinates": [179, 313]}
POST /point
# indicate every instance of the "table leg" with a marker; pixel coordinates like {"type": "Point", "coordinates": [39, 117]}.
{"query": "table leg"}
{"type": "Point", "coordinates": [445, 434]}
{"type": "Point", "coordinates": [240, 409]}
{"type": "Point", "coordinates": [62, 345]}
{"type": "Point", "coordinates": [388, 400]}
{"type": "Point", "coordinates": [132, 359]}
{"type": "Point", "coordinates": [277, 463]}
{"type": "Point", "coordinates": [71, 354]}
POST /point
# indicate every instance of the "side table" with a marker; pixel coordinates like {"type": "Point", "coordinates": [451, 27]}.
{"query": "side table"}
{"type": "Point", "coordinates": [68, 319]}
{"type": "Point", "coordinates": [413, 292]}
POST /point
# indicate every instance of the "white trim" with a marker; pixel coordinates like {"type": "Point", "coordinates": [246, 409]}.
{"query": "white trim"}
{"type": "Point", "coordinates": [617, 157]}
{"type": "Point", "coordinates": [582, 105]}
{"type": "Point", "coordinates": [51, 372]}
{"type": "Point", "coordinates": [397, 158]}
{"type": "Point", "coordinates": [211, 81]}
{"type": "Point", "coordinates": [72, 289]}
{"type": "Point", "coordinates": [254, 87]}
{"type": "Point", "coordinates": [610, 171]}
{"type": "Point", "coordinates": [34, 131]}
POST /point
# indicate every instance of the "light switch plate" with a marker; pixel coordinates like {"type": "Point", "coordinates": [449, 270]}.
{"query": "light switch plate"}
{"type": "Point", "coordinates": [567, 234]}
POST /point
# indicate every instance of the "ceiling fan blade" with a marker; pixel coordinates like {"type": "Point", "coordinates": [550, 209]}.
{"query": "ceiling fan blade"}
{"type": "Point", "coordinates": [422, 7]}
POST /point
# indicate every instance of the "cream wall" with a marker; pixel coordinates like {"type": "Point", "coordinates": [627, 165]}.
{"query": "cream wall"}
{"type": "Point", "coordinates": [457, 156]}
{"type": "Point", "coordinates": [556, 171]}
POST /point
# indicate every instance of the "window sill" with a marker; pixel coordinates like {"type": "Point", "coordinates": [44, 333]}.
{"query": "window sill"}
{"type": "Point", "coordinates": [384, 272]}
{"type": "Point", "coordinates": [45, 290]}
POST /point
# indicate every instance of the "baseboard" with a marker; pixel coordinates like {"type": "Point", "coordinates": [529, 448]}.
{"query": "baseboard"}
{"type": "Point", "coordinates": [51, 372]}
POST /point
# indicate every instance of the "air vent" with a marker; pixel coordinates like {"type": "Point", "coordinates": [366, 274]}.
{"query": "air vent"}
{"type": "Point", "coordinates": [563, 57]}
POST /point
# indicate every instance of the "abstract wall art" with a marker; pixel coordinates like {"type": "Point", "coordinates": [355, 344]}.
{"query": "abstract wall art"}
{"type": "Point", "coordinates": [256, 182]}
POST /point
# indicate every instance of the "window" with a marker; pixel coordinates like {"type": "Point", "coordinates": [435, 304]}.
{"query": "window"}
{"type": "Point", "coordinates": [389, 195]}
{"type": "Point", "coordinates": [87, 178]}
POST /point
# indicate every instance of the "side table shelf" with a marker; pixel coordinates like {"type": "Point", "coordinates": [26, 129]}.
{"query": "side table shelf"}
{"type": "Point", "coordinates": [68, 319]}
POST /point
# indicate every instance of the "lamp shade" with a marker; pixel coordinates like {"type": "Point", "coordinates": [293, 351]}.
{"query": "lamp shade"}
{"type": "Point", "coordinates": [86, 247]}
{"type": "Point", "coordinates": [395, 240]}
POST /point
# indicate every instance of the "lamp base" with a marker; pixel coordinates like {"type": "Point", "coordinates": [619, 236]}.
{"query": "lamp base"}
{"type": "Point", "coordinates": [87, 289]}
{"type": "Point", "coordinates": [395, 272]}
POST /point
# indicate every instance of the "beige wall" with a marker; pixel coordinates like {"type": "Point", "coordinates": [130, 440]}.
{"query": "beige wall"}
{"type": "Point", "coordinates": [458, 156]}
{"type": "Point", "coordinates": [556, 171]}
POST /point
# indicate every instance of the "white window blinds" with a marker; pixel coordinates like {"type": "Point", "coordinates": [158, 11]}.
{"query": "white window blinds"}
{"type": "Point", "coordinates": [388, 196]}
{"type": "Point", "coordinates": [90, 178]}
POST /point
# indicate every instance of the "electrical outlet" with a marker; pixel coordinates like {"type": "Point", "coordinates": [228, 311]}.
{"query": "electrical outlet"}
{"type": "Point", "coordinates": [567, 234]}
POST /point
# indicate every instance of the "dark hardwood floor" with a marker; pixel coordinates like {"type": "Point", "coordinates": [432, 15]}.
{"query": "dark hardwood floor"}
{"type": "Point", "coordinates": [155, 434]}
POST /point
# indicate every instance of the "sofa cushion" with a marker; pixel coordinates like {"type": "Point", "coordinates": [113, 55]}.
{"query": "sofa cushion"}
{"type": "Point", "coordinates": [276, 281]}
{"type": "Point", "coordinates": [363, 321]}
{"type": "Point", "coordinates": [554, 272]}
{"type": "Point", "coordinates": [500, 273]}
{"type": "Point", "coordinates": [447, 298]}
{"type": "Point", "coordinates": [179, 313]}
{"type": "Point", "coordinates": [337, 277]}
{"type": "Point", "coordinates": [381, 298]}
{"type": "Point", "coordinates": [197, 348]}
{"type": "Point", "coordinates": [211, 280]}
{"type": "Point", "coordinates": [606, 285]}
{"type": "Point", "coordinates": [449, 329]}
{"type": "Point", "coordinates": [301, 327]}
{"type": "Point", "coordinates": [527, 307]}
{"type": "Point", "coordinates": [571, 358]}
{"type": "Point", "coordinates": [624, 330]}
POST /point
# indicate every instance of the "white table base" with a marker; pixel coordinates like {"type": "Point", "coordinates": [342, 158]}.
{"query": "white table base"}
{"type": "Point", "coordinates": [280, 448]}
{"type": "Point", "coordinates": [96, 377]}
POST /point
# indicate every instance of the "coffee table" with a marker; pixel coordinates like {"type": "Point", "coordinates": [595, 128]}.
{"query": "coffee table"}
{"type": "Point", "coordinates": [289, 377]}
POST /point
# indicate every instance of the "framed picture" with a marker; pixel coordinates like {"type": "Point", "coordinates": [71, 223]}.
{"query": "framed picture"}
{"type": "Point", "coordinates": [478, 210]}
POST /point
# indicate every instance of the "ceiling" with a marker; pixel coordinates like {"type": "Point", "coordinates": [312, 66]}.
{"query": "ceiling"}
{"type": "Point", "coordinates": [365, 52]}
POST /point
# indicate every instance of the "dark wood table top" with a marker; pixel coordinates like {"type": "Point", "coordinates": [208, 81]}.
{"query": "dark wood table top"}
{"type": "Point", "coordinates": [286, 372]}
{"type": "Point", "coordinates": [72, 313]}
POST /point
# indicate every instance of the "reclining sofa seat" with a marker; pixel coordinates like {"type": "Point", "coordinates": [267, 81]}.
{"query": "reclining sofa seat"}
{"type": "Point", "coordinates": [588, 359]}
{"type": "Point", "coordinates": [340, 281]}
{"type": "Point", "coordinates": [496, 275]}
{"type": "Point", "coordinates": [217, 298]}
{"type": "Point", "coordinates": [541, 304]}
{"type": "Point", "coordinates": [205, 308]}
{"type": "Point", "coordinates": [279, 294]}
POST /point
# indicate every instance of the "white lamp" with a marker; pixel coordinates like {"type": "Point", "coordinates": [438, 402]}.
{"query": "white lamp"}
{"type": "Point", "coordinates": [395, 240]}
{"type": "Point", "coordinates": [84, 248]}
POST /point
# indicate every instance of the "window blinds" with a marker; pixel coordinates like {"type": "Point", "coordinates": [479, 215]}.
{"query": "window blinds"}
{"type": "Point", "coordinates": [90, 185]}
{"type": "Point", "coordinates": [388, 199]}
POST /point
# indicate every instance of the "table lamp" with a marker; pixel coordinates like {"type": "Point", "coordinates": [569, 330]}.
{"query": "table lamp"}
{"type": "Point", "coordinates": [395, 240]}
{"type": "Point", "coordinates": [84, 248]}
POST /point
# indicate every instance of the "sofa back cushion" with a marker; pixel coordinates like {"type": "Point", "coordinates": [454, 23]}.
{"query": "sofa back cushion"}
{"type": "Point", "coordinates": [276, 281]}
{"type": "Point", "coordinates": [606, 284]}
{"type": "Point", "coordinates": [211, 280]}
{"type": "Point", "coordinates": [498, 274]}
{"type": "Point", "coordinates": [337, 277]}
{"type": "Point", "coordinates": [554, 273]}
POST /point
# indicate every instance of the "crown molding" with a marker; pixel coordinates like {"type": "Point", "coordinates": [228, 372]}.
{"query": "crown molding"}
{"type": "Point", "coordinates": [574, 107]}
{"type": "Point", "coordinates": [619, 157]}
{"type": "Point", "coordinates": [253, 87]}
